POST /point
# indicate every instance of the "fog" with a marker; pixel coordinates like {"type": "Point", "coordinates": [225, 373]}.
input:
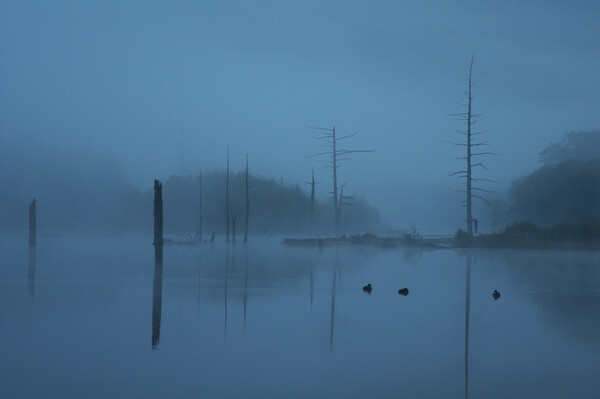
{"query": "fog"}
{"type": "Point", "coordinates": [162, 88]}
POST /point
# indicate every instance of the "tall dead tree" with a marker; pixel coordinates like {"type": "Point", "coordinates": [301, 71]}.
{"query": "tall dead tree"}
{"type": "Point", "coordinates": [227, 199]}
{"type": "Point", "coordinates": [199, 231]}
{"type": "Point", "coordinates": [234, 218]}
{"type": "Point", "coordinates": [344, 199]}
{"type": "Point", "coordinates": [32, 223]}
{"type": "Point", "coordinates": [247, 215]}
{"type": "Point", "coordinates": [312, 201]}
{"type": "Point", "coordinates": [472, 141]}
{"type": "Point", "coordinates": [335, 155]}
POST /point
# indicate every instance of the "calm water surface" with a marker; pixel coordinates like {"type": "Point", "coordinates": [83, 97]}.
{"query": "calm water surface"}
{"type": "Point", "coordinates": [92, 318]}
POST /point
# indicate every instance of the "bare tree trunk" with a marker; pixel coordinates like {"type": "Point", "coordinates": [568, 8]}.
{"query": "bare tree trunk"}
{"type": "Point", "coordinates": [199, 232]}
{"type": "Point", "coordinates": [234, 219]}
{"type": "Point", "coordinates": [247, 216]}
{"type": "Point", "coordinates": [227, 199]}
{"type": "Point", "coordinates": [473, 139]}
{"type": "Point", "coordinates": [469, 165]}
{"type": "Point", "coordinates": [32, 223]}
{"type": "Point", "coordinates": [341, 202]}
{"type": "Point", "coordinates": [312, 200]}
{"type": "Point", "coordinates": [336, 210]}
{"type": "Point", "coordinates": [333, 160]}
{"type": "Point", "coordinates": [158, 222]}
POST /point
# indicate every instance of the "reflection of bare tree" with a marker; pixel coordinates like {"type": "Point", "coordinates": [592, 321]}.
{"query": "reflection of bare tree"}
{"type": "Point", "coordinates": [31, 271]}
{"type": "Point", "coordinates": [157, 300]}
{"type": "Point", "coordinates": [467, 315]}
{"type": "Point", "coordinates": [226, 286]}
{"type": "Point", "coordinates": [311, 284]}
{"type": "Point", "coordinates": [245, 283]}
{"type": "Point", "coordinates": [199, 275]}
{"type": "Point", "coordinates": [563, 285]}
{"type": "Point", "coordinates": [336, 271]}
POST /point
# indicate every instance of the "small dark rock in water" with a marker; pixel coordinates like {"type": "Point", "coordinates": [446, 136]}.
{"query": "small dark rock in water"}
{"type": "Point", "coordinates": [403, 291]}
{"type": "Point", "coordinates": [496, 295]}
{"type": "Point", "coordinates": [367, 288]}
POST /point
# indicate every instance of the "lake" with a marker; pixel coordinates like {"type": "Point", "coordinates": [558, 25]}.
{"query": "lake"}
{"type": "Point", "coordinates": [92, 317]}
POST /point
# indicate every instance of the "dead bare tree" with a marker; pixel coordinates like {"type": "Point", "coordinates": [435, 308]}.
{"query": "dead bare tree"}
{"type": "Point", "coordinates": [335, 156]}
{"type": "Point", "coordinates": [344, 199]}
{"type": "Point", "coordinates": [312, 200]}
{"type": "Point", "coordinates": [234, 218]}
{"type": "Point", "coordinates": [199, 230]}
{"type": "Point", "coordinates": [247, 215]}
{"type": "Point", "coordinates": [32, 224]}
{"type": "Point", "coordinates": [473, 140]}
{"type": "Point", "coordinates": [227, 199]}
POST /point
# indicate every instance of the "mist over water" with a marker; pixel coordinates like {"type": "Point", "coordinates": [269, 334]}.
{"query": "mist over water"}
{"type": "Point", "coordinates": [233, 108]}
{"type": "Point", "coordinates": [265, 320]}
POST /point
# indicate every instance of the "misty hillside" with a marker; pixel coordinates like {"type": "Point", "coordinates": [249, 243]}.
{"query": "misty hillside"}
{"type": "Point", "coordinates": [88, 192]}
{"type": "Point", "coordinates": [564, 189]}
{"type": "Point", "coordinates": [81, 191]}
{"type": "Point", "coordinates": [274, 207]}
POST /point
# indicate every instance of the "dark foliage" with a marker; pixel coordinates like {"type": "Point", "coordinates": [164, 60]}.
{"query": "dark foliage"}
{"type": "Point", "coordinates": [86, 192]}
{"type": "Point", "coordinates": [275, 207]}
{"type": "Point", "coordinates": [529, 235]}
{"type": "Point", "coordinates": [581, 145]}
{"type": "Point", "coordinates": [558, 193]}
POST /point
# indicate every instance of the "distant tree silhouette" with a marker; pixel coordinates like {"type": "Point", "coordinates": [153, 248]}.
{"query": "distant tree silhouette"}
{"type": "Point", "coordinates": [580, 145]}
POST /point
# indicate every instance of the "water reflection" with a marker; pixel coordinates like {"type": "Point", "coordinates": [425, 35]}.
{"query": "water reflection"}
{"type": "Point", "coordinates": [467, 316]}
{"type": "Point", "coordinates": [225, 289]}
{"type": "Point", "coordinates": [157, 297]}
{"type": "Point", "coordinates": [311, 284]}
{"type": "Point", "coordinates": [541, 334]}
{"type": "Point", "coordinates": [31, 270]}
{"type": "Point", "coordinates": [334, 277]}
{"type": "Point", "coordinates": [564, 285]}
{"type": "Point", "coordinates": [245, 283]}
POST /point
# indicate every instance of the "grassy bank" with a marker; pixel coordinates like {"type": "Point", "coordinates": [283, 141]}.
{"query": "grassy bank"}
{"type": "Point", "coordinates": [527, 235]}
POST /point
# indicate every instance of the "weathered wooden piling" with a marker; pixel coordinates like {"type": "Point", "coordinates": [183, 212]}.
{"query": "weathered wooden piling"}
{"type": "Point", "coordinates": [158, 222]}
{"type": "Point", "coordinates": [31, 270]}
{"type": "Point", "coordinates": [158, 263]}
{"type": "Point", "coordinates": [32, 223]}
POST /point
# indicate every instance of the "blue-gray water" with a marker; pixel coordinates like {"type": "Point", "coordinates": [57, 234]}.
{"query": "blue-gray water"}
{"type": "Point", "coordinates": [85, 317]}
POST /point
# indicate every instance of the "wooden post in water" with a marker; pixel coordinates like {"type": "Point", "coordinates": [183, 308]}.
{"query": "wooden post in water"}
{"type": "Point", "coordinates": [158, 222]}
{"type": "Point", "coordinates": [158, 263]}
{"type": "Point", "coordinates": [32, 223]}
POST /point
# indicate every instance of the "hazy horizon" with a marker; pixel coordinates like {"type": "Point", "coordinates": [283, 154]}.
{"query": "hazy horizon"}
{"type": "Point", "coordinates": [163, 88]}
